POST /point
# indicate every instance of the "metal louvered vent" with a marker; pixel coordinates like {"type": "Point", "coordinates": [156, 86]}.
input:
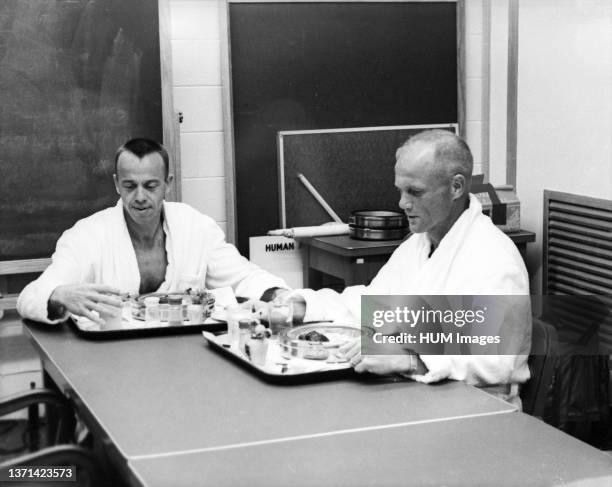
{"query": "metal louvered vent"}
{"type": "Point", "coordinates": [578, 262]}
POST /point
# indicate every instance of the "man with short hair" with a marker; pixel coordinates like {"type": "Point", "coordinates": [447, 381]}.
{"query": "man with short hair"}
{"type": "Point", "coordinates": [454, 250]}
{"type": "Point", "coordinates": [141, 245]}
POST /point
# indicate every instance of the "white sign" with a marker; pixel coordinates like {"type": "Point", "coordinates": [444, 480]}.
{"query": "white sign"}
{"type": "Point", "coordinates": [280, 256]}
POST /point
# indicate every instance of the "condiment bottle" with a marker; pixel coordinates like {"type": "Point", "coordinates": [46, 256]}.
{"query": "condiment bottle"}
{"type": "Point", "coordinates": [175, 315]}
{"type": "Point", "coordinates": [151, 310]}
{"type": "Point", "coordinates": [164, 309]}
{"type": "Point", "coordinates": [245, 329]}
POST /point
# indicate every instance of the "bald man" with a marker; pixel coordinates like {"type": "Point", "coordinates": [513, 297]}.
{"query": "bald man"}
{"type": "Point", "coordinates": [454, 250]}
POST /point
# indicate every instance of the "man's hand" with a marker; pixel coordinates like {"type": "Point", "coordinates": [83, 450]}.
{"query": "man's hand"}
{"type": "Point", "coordinates": [282, 295]}
{"type": "Point", "coordinates": [83, 299]}
{"type": "Point", "coordinates": [410, 363]}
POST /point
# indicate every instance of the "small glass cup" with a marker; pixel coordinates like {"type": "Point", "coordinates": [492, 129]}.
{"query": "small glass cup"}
{"type": "Point", "coordinates": [151, 311]}
{"type": "Point", "coordinates": [280, 316]}
{"type": "Point", "coordinates": [195, 314]}
{"type": "Point", "coordinates": [258, 350]}
{"type": "Point", "coordinates": [112, 316]}
{"type": "Point", "coordinates": [234, 314]}
{"type": "Point", "coordinates": [164, 310]}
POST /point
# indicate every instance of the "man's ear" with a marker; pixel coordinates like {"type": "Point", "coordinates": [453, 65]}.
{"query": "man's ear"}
{"type": "Point", "coordinates": [169, 180]}
{"type": "Point", "coordinates": [458, 186]}
{"type": "Point", "coordinates": [116, 184]}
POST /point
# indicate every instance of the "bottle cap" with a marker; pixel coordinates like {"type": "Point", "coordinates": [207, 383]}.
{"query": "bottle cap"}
{"type": "Point", "coordinates": [246, 323]}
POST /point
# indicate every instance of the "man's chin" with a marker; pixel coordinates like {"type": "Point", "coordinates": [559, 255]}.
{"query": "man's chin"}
{"type": "Point", "coordinates": [415, 228]}
{"type": "Point", "coordinates": [142, 217]}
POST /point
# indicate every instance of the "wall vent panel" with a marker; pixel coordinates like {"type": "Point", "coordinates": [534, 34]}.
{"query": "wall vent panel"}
{"type": "Point", "coordinates": [578, 262]}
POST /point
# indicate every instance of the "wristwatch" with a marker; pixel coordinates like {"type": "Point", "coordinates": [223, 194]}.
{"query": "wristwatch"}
{"type": "Point", "coordinates": [412, 368]}
{"type": "Point", "coordinates": [414, 363]}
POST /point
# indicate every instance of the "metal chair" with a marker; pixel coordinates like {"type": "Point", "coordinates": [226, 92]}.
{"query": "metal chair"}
{"type": "Point", "coordinates": [544, 352]}
{"type": "Point", "coordinates": [60, 433]}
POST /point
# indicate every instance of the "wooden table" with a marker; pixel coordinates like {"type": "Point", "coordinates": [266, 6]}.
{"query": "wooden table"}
{"type": "Point", "coordinates": [358, 261]}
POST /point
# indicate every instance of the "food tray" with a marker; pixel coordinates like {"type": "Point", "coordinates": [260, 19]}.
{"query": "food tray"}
{"type": "Point", "coordinates": [138, 311]}
{"type": "Point", "coordinates": [279, 370]}
{"type": "Point", "coordinates": [135, 328]}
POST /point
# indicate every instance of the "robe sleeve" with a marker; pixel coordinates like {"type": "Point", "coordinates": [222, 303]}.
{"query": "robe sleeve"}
{"type": "Point", "coordinates": [345, 307]}
{"type": "Point", "coordinates": [512, 322]}
{"type": "Point", "coordinates": [71, 263]}
{"type": "Point", "coordinates": [226, 267]}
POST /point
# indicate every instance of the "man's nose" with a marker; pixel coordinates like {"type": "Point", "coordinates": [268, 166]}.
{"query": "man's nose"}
{"type": "Point", "coordinates": [140, 194]}
{"type": "Point", "coordinates": [405, 203]}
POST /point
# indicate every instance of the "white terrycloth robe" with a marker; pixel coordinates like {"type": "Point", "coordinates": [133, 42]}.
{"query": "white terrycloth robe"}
{"type": "Point", "coordinates": [98, 249]}
{"type": "Point", "coordinates": [473, 258]}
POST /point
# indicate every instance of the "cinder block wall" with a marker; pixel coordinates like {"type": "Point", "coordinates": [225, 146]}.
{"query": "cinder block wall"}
{"type": "Point", "coordinates": [196, 74]}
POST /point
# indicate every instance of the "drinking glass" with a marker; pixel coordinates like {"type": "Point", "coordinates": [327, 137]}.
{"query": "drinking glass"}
{"type": "Point", "coordinates": [280, 316]}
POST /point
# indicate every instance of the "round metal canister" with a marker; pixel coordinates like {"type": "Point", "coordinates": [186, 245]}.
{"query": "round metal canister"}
{"type": "Point", "coordinates": [378, 225]}
{"type": "Point", "coordinates": [378, 219]}
{"type": "Point", "coordinates": [377, 234]}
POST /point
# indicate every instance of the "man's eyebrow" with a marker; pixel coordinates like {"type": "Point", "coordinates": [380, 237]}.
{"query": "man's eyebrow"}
{"type": "Point", "coordinates": [410, 187]}
{"type": "Point", "coordinates": [147, 181]}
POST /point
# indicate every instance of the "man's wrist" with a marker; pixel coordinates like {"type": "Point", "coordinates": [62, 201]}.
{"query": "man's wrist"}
{"type": "Point", "coordinates": [271, 293]}
{"type": "Point", "coordinates": [415, 366]}
{"type": "Point", "coordinates": [55, 309]}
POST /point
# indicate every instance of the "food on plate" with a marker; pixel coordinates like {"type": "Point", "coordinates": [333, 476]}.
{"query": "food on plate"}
{"type": "Point", "coordinates": [260, 331]}
{"type": "Point", "coordinates": [191, 297]}
{"type": "Point", "coordinates": [313, 336]}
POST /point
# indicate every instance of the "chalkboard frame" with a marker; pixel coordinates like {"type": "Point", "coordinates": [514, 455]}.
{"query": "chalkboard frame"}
{"type": "Point", "coordinates": [227, 98]}
{"type": "Point", "coordinates": [171, 139]}
{"type": "Point", "coordinates": [170, 117]}
{"type": "Point", "coordinates": [289, 133]}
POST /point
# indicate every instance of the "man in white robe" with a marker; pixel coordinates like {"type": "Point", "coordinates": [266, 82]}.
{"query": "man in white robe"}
{"type": "Point", "coordinates": [454, 250]}
{"type": "Point", "coordinates": [143, 244]}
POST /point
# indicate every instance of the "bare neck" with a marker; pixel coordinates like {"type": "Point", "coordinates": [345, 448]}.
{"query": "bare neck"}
{"type": "Point", "coordinates": [145, 235]}
{"type": "Point", "coordinates": [439, 232]}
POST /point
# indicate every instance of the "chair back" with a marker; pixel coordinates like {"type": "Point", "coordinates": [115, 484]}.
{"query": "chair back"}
{"type": "Point", "coordinates": [544, 352]}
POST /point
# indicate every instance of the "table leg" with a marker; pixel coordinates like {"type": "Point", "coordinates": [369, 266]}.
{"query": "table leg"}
{"type": "Point", "coordinates": [50, 412]}
{"type": "Point", "coordinates": [313, 278]}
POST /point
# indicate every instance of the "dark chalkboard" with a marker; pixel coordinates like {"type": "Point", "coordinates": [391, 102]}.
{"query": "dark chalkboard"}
{"type": "Point", "coordinates": [303, 65]}
{"type": "Point", "coordinates": [351, 170]}
{"type": "Point", "coordinates": [77, 79]}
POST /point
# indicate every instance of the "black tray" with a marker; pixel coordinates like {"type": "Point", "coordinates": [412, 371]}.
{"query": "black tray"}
{"type": "Point", "coordinates": [278, 378]}
{"type": "Point", "coordinates": [146, 332]}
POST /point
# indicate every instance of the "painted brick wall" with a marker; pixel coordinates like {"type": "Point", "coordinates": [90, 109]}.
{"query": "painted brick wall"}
{"type": "Point", "coordinates": [474, 78]}
{"type": "Point", "coordinates": [197, 93]}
